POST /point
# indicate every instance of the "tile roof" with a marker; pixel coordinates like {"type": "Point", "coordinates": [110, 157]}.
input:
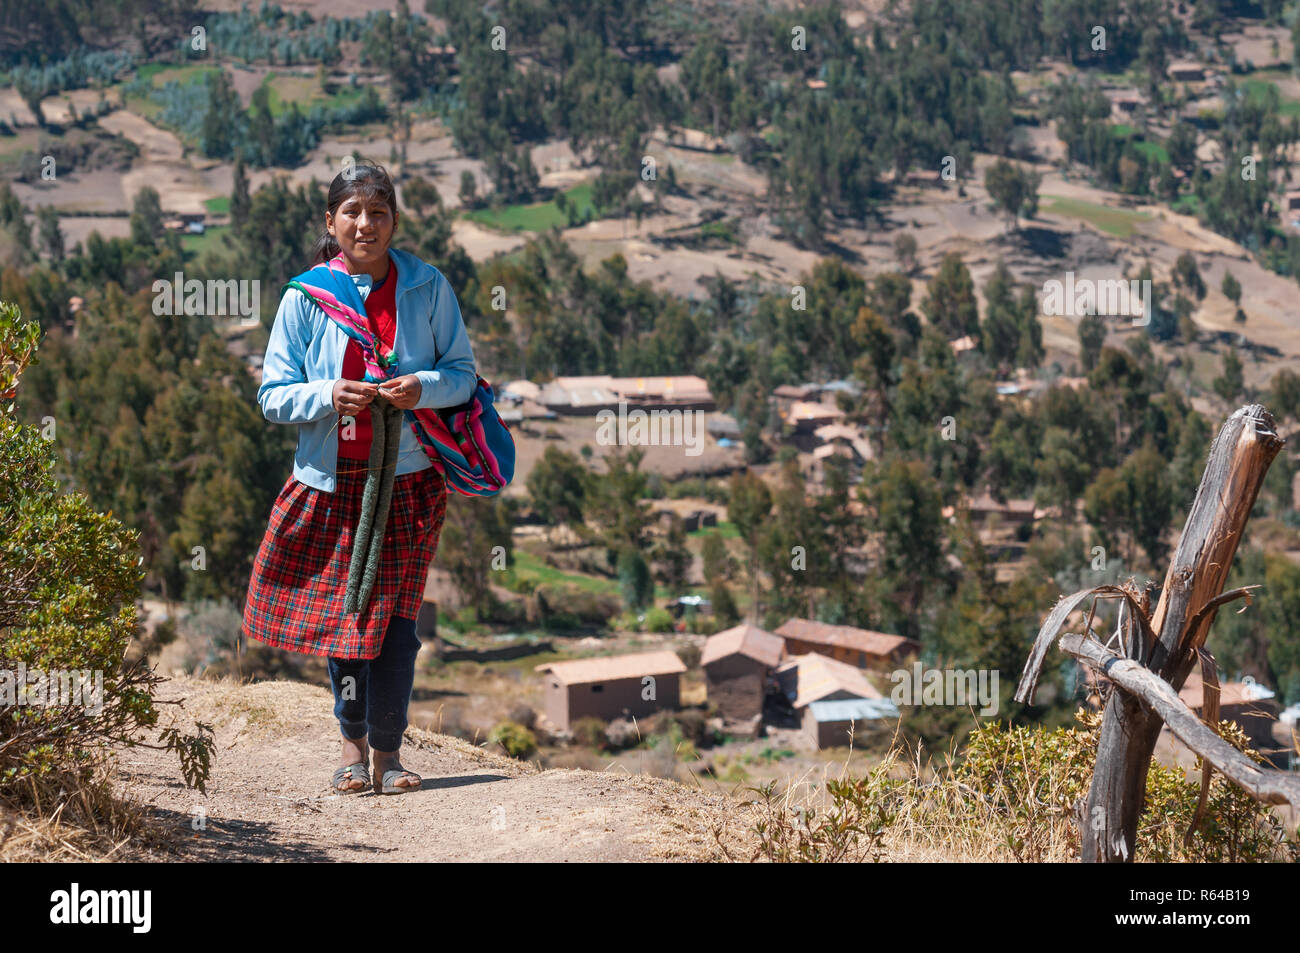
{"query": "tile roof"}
{"type": "Point", "coordinates": [744, 639]}
{"type": "Point", "coordinates": [612, 667]}
{"type": "Point", "coordinates": [809, 678]}
{"type": "Point", "coordinates": [1230, 693]}
{"type": "Point", "coordinates": [880, 644]}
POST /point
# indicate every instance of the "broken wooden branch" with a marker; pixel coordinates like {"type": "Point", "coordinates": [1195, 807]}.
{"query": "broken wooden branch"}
{"type": "Point", "coordinates": [1267, 785]}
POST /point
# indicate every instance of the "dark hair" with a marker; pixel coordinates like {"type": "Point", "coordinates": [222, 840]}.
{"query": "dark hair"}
{"type": "Point", "coordinates": [365, 179]}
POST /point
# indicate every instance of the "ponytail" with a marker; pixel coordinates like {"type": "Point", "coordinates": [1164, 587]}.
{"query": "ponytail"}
{"type": "Point", "coordinates": [326, 248]}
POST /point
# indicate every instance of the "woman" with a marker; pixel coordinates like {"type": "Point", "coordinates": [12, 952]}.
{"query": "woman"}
{"type": "Point", "coordinates": [313, 376]}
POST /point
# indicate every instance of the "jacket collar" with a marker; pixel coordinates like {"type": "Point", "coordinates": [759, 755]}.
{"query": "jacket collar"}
{"type": "Point", "coordinates": [411, 273]}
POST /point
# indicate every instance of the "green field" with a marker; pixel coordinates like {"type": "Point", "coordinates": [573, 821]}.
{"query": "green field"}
{"type": "Point", "coordinates": [1119, 222]}
{"type": "Point", "coordinates": [1255, 90]}
{"type": "Point", "coordinates": [537, 217]}
{"type": "Point", "coordinates": [533, 567]}
{"type": "Point", "coordinates": [287, 88]}
{"type": "Point", "coordinates": [1149, 150]}
{"type": "Point", "coordinates": [724, 529]}
{"type": "Point", "coordinates": [219, 205]}
{"type": "Point", "coordinates": [198, 244]}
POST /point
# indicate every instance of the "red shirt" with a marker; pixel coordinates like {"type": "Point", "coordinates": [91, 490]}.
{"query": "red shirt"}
{"type": "Point", "coordinates": [381, 309]}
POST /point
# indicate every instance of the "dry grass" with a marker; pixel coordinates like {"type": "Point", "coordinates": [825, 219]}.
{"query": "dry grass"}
{"type": "Point", "coordinates": [87, 822]}
{"type": "Point", "coordinates": [934, 818]}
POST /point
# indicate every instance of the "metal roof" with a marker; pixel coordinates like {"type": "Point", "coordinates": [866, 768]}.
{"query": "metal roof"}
{"type": "Point", "coordinates": [854, 709]}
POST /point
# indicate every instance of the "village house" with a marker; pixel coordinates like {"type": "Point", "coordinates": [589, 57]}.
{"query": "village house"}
{"type": "Point", "coordinates": [611, 687]}
{"type": "Point", "coordinates": [1126, 101]}
{"type": "Point", "coordinates": [962, 344]}
{"type": "Point", "coordinates": [691, 520]}
{"type": "Point", "coordinates": [787, 394]}
{"type": "Point", "coordinates": [737, 664]}
{"type": "Point", "coordinates": [806, 416]}
{"type": "Point", "coordinates": [831, 699]}
{"type": "Point", "coordinates": [722, 427]}
{"type": "Point", "coordinates": [838, 724]}
{"type": "Point", "coordinates": [985, 509]}
{"type": "Point", "coordinates": [588, 396]}
{"type": "Point", "coordinates": [862, 648]}
{"type": "Point", "coordinates": [812, 677]}
{"type": "Point", "coordinates": [1186, 71]}
{"type": "Point", "coordinates": [844, 435]}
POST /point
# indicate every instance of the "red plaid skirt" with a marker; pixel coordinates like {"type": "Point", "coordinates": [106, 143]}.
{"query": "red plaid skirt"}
{"type": "Point", "coordinates": [300, 576]}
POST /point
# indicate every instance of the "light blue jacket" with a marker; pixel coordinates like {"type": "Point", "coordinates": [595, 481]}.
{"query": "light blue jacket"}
{"type": "Point", "coordinates": [304, 357]}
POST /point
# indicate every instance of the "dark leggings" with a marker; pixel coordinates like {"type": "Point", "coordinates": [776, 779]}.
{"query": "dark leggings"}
{"type": "Point", "coordinates": [375, 701]}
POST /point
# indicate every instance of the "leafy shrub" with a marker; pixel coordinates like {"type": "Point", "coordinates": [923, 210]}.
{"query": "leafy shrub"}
{"type": "Point", "coordinates": [658, 620]}
{"type": "Point", "coordinates": [68, 582]}
{"type": "Point", "coordinates": [1035, 777]}
{"type": "Point", "coordinates": [589, 731]}
{"type": "Point", "coordinates": [1012, 797]}
{"type": "Point", "coordinates": [518, 741]}
{"type": "Point", "coordinates": [851, 829]}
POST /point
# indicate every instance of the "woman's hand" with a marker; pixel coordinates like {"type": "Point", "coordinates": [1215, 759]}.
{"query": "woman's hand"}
{"type": "Point", "coordinates": [403, 392]}
{"type": "Point", "coordinates": [352, 397]}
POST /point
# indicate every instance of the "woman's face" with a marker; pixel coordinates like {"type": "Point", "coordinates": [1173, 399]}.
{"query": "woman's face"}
{"type": "Point", "coordinates": [363, 227]}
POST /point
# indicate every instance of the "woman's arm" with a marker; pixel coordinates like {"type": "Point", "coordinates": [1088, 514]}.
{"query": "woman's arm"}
{"type": "Point", "coordinates": [286, 396]}
{"type": "Point", "coordinates": [452, 381]}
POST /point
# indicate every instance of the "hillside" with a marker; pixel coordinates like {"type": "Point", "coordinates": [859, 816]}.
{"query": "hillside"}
{"type": "Point", "coordinates": [268, 797]}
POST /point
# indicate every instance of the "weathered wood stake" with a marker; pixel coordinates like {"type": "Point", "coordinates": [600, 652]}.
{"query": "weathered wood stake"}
{"type": "Point", "coordinates": [1239, 459]}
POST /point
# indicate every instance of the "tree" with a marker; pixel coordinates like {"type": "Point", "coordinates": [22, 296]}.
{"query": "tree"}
{"type": "Point", "coordinates": [1014, 190]}
{"type": "Point", "coordinates": [1231, 288]}
{"type": "Point", "coordinates": [1011, 333]}
{"type": "Point", "coordinates": [706, 78]}
{"type": "Point", "coordinates": [239, 197]}
{"type": "Point", "coordinates": [51, 235]}
{"type": "Point", "coordinates": [557, 486]}
{"type": "Point", "coordinates": [1187, 275]}
{"type": "Point", "coordinates": [1229, 384]}
{"type": "Point", "coordinates": [749, 507]}
{"type": "Point", "coordinates": [1062, 470]}
{"type": "Point", "coordinates": [718, 565]}
{"type": "Point", "coordinates": [1181, 146]}
{"type": "Point", "coordinates": [635, 585]}
{"type": "Point", "coordinates": [1092, 335]}
{"type": "Point", "coordinates": [1146, 475]}
{"type": "Point", "coordinates": [469, 190]}
{"type": "Point", "coordinates": [1284, 392]}
{"type": "Point", "coordinates": [949, 303]}
{"type": "Point", "coordinates": [219, 132]}
{"type": "Point", "coordinates": [615, 501]}
{"type": "Point", "coordinates": [672, 559]}
{"type": "Point", "coordinates": [146, 217]}
{"type": "Point", "coordinates": [907, 507]}
{"type": "Point", "coordinates": [905, 251]}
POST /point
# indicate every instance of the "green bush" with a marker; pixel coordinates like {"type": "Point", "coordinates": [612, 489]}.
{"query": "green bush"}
{"type": "Point", "coordinates": [589, 731]}
{"type": "Point", "coordinates": [518, 741]}
{"type": "Point", "coordinates": [658, 620]}
{"type": "Point", "coordinates": [1036, 776]}
{"type": "Point", "coordinates": [69, 577]}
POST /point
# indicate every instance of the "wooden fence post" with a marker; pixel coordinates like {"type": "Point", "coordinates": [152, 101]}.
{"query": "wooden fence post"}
{"type": "Point", "coordinates": [1167, 644]}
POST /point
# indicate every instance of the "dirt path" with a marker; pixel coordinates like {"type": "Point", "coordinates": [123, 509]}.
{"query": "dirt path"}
{"type": "Point", "coordinates": [268, 798]}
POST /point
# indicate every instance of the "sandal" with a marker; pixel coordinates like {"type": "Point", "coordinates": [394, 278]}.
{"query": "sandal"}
{"type": "Point", "coordinates": [357, 772]}
{"type": "Point", "coordinates": [387, 784]}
